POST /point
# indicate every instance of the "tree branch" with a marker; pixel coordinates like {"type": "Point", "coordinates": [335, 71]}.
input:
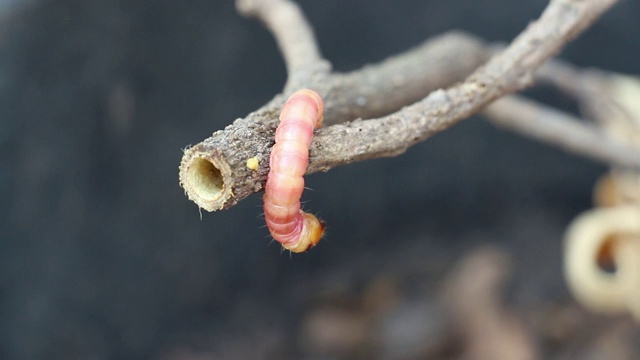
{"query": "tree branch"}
{"type": "Point", "coordinates": [214, 172]}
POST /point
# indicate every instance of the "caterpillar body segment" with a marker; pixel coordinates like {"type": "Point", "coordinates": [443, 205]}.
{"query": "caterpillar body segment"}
{"type": "Point", "coordinates": [296, 230]}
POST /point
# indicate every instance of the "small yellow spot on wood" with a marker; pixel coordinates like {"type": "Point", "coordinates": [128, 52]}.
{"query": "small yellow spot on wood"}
{"type": "Point", "coordinates": [253, 163]}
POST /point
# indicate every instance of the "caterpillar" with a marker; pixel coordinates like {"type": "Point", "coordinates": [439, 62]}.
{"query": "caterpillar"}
{"type": "Point", "coordinates": [295, 229]}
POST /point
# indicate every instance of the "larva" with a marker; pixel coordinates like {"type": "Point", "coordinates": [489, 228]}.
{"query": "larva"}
{"type": "Point", "coordinates": [295, 229]}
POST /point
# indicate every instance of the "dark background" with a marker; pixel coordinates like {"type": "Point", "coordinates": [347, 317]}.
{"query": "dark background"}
{"type": "Point", "coordinates": [103, 257]}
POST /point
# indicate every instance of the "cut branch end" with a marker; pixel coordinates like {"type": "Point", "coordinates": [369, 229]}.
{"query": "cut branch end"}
{"type": "Point", "coordinates": [205, 179]}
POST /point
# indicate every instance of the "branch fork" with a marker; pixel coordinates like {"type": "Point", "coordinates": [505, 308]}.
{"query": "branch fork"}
{"type": "Point", "coordinates": [405, 99]}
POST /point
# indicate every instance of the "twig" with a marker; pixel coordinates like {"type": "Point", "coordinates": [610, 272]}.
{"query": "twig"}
{"type": "Point", "coordinates": [562, 75]}
{"type": "Point", "coordinates": [214, 173]}
{"type": "Point", "coordinates": [560, 129]}
{"type": "Point", "coordinates": [285, 20]}
{"type": "Point", "coordinates": [608, 99]}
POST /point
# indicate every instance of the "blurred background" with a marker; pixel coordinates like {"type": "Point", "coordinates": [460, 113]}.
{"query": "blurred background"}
{"type": "Point", "coordinates": [103, 257]}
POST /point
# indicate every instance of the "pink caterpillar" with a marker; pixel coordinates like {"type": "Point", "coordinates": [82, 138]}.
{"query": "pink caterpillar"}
{"type": "Point", "coordinates": [295, 229]}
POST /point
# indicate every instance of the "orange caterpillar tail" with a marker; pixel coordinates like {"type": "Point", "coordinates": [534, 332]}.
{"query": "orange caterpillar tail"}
{"type": "Point", "coordinates": [295, 229]}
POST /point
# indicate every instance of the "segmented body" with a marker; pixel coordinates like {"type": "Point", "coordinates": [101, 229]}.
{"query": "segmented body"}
{"type": "Point", "coordinates": [295, 229]}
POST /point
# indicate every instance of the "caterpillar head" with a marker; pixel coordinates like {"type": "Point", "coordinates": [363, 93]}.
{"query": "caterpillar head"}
{"type": "Point", "coordinates": [310, 236]}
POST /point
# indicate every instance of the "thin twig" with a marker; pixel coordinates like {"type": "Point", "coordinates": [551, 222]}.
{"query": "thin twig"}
{"type": "Point", "coordinates": [560, 129]}
{"type": "Point", "coordinates": [608, 99]}
{"type": "Point", "coordinates": [285, 20]}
